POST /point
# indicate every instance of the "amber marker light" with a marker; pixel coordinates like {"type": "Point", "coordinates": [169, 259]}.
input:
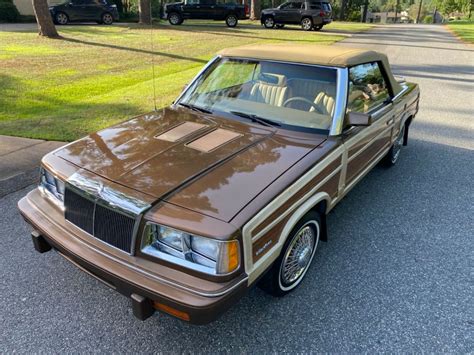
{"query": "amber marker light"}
{"type": "Point", "coordinates": [171, 311]}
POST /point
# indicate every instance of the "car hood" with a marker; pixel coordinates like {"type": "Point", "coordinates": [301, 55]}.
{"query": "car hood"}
{"type": "Point", "coordinates": [211, 165]}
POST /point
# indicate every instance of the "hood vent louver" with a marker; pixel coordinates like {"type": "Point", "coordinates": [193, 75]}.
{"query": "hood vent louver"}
{"type": "Point", "coordinates": [181, 131]}
{"type": "Point", "coordinates": [213, 140]}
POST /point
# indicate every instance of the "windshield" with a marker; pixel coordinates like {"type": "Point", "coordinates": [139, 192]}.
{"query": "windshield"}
{"type": "Point", "coordinates": [288, 95]}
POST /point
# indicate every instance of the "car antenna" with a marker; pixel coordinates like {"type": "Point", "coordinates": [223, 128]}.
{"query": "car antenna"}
{"type": "Point", "coordinates": [152, 57]}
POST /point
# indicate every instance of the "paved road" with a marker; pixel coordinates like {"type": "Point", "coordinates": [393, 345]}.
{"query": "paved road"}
{"type": "Point", "coordinates": [397, 274]}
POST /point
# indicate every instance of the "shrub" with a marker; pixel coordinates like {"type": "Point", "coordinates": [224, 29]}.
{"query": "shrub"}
{"type": "Point", "coordinates": [428, 19]}
{"type": "Point", "coordinates": [8, 11]}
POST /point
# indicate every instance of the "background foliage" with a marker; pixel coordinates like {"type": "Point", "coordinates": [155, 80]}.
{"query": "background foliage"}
{"type": "Point", "coordinates": [8, 11]}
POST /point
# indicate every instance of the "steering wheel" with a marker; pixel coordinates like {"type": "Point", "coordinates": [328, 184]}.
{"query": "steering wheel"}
{"type": "Point", "coordinates": [303, 99]}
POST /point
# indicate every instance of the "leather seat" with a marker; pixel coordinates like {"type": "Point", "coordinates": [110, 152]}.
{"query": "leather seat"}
{"type": "Point", "coordinates": [325, 104]}
{"type": "Point", "coordinates": [322, 93]}
{"type": "Point", "coordinates": [270, 89]}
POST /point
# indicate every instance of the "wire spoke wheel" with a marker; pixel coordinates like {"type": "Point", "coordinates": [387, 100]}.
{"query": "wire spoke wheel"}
{"type": "Point", "coordinates": [299, 254]}
{"type": "Point", "coordinates": [397, 146]}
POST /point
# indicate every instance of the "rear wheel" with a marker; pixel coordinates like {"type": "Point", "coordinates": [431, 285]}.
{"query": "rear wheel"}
{"type": "Point", "coordinates": [107, 19]}
{"type": "Point", "coordinates": [295, 259]}
{"type": "Point", "coordinates": [269, 22]}
{"type": "Point", "coordinates": [61, 18]}
{"type": "Point", "coordinates": [394, 153]}
{"type": "Point", "coordinates": [307, 24]}
{"type": "Point", "coordinates": [231, 20]}
{"type": "Point", "coordinates": [175, 19]}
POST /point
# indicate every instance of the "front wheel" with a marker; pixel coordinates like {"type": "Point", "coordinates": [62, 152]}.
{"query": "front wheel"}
{"type": "Point", "coordinates": [175, 19]}
{"type": "Point", "coordinates": [269, 22]}
{"type": "Point", "coordinates": [307, 24]}
{"type": "Point", "coordinates": [61, 18]}
{"type": "Point", "coordinates": [107, 19]}
{"type": "Point", "coordinates": [231, 20]}
{"type": "Point", "coordinates": [295, 259]}
{"type": "Point", "coordinates": [394, 153]}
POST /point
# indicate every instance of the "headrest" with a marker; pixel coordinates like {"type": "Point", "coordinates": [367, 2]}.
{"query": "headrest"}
{"type": "Point", "coordinates": [273, 79]}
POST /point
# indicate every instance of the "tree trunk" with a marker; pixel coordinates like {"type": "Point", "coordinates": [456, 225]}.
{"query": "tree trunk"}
{"type": "Point", "coordinates": [43, 19]}
{"type": "Point", "coordinates": [342, 13]}
{"type": "Point", "coordinates": [397, 5]}
{"type": "Point", "coordinates": [255, 9]}
{"type": "Point", "coordinates": [144, 8]}
{"type": "Point", "coordinates": [366, 8]}
{"type": "Point", "coordinates": [419, 12]}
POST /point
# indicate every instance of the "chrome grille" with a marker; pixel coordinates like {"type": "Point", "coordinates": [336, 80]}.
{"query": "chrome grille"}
{"type": "Point", "coordinates": [100, 221]}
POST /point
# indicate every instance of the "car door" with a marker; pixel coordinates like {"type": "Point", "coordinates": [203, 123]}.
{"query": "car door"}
{"type": "Point", "coordinates": [93, 9]}
{"type": "Point", "coordinates": [207, 9]}
{"type": "Point", "coordinates": [191, 9]}
{"type": "Point", "coordinates": [288, 12]}
{"type": "Point", "coordinates": [369, 92]}
{"type": "Point", "coordinates": [77, 10]}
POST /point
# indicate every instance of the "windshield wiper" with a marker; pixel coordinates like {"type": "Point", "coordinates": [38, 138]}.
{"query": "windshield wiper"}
{"type": "Point", "coordinates": [254, 118]}
{"type": "Point", "coordinates": [195, 108]}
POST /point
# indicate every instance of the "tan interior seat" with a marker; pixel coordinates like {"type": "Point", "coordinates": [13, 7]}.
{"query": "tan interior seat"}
{"type": "Point", "coordinates": [270, 89]}
{"type": "Point", "coordinates": [309, 89]}
{"type": "Point", "coordinates": [325, 104]}
{"type": "Point", "coordinates": [322, 93]}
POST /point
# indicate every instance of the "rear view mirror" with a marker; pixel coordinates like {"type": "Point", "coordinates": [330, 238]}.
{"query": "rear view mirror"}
{"type": "Point", "coordinates": [359, 119]}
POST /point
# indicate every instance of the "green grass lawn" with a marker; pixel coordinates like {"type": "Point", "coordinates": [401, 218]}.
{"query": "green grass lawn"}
{"type": "Point", "coordinates": [464, 29]}
{"type": "Point", "coordinates": [99, 75]}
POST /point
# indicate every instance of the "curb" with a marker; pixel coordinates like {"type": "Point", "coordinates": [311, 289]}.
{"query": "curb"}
{"type": "Point", "coordinates": [18, 181]}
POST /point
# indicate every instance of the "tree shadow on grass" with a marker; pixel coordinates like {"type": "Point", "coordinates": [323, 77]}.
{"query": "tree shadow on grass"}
{"type": "Point", "coordinates": [245, 34]}
{"type": "Point", "coordinates": [137, 50]}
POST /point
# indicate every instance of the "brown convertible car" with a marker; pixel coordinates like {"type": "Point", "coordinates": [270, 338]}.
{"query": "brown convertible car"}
{"type": "Point", "coordinates": [184, 209]}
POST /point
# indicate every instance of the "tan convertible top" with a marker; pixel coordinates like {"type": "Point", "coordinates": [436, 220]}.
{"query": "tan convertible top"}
{"type": "Point", "coordinates": [336, 56]}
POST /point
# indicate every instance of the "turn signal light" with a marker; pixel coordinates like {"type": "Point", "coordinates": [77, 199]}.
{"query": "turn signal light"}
{"type": "Point", "coordinates": [172, 311]}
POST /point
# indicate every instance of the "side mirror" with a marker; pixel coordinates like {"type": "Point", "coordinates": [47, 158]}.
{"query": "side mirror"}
{"type": "Point", "coordinates": [359, 119]}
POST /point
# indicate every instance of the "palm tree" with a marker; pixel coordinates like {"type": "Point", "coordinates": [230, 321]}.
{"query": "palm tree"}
{"type": "Point", "coordinates": [43, 19]}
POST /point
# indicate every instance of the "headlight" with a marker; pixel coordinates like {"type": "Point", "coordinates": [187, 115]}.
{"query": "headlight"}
{"type": "Point", "coordinates": [51, 186]}
{"type": "Point", "coordinates": [203, 254]}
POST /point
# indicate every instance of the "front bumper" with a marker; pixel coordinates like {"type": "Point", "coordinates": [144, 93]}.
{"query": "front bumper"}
{"type": "Point", "coordinates": [148, 291]}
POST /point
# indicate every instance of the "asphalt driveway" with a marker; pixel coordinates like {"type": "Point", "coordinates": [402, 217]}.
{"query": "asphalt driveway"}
{"type": "Point", "coordinates": [396, 274]}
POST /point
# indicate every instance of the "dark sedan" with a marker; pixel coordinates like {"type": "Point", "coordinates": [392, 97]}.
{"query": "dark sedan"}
{"type": "Point", "coordinates": [100, 11]}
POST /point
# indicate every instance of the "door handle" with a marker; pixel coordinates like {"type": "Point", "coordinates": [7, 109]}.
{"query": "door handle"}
{"type": "Point", "coordinates": [390, 121]}
{"type": "Point", "coordinates": [198, 7]}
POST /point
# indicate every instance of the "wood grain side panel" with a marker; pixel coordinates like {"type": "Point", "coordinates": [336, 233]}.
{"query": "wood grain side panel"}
{"type": "Point", "coordinates": [358, 163]}
{"type": "Point", "coordinates": [269, 239]}
{"type": "Point", "coordinates": [297, 196]}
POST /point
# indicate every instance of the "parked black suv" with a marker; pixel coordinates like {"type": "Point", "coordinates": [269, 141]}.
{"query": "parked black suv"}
{"type": "Point", "coordinates": [100, 11]}
{"type": "Point", "coordinates": [310, 14]}
{"type": "Point", "coordinates": [219, 10]}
